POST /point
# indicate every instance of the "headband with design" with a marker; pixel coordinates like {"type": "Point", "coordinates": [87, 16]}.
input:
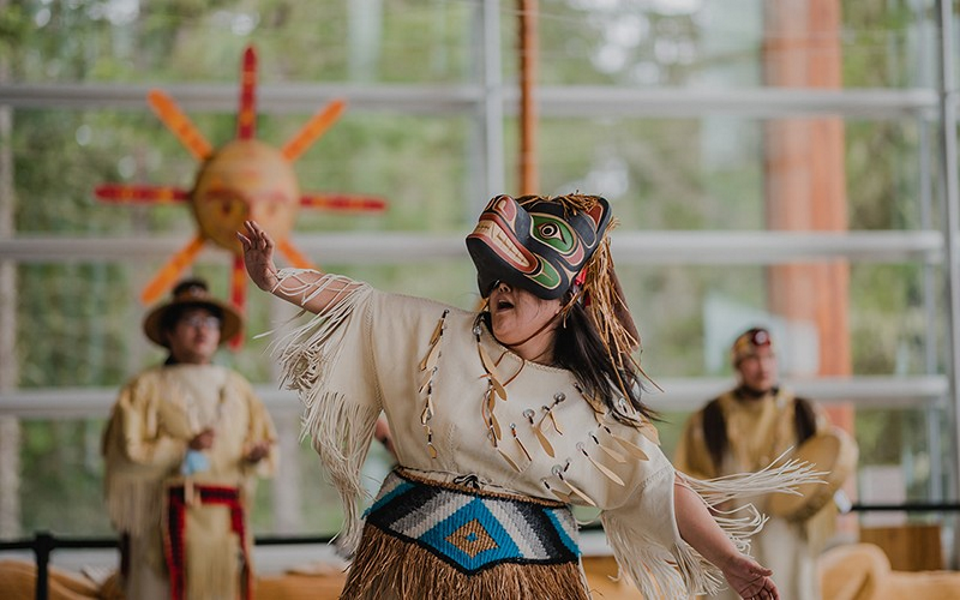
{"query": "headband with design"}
{"type": "Point", "coordinates": [748, 342]}
{"type": "Point", "coordinates": [537, 244]}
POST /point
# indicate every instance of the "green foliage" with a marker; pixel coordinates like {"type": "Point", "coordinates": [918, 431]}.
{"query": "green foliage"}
{"type": "Point", "coordinates": [65, 479]}
{"type": "Point", "coordinates": [13, 30]}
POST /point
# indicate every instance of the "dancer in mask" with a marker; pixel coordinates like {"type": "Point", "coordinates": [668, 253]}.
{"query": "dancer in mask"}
{"type": "Point", "coordinates": [501, 419]}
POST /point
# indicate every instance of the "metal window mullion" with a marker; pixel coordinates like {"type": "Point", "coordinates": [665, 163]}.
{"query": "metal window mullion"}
{"type": "Point", "coordinates": [951, 211]}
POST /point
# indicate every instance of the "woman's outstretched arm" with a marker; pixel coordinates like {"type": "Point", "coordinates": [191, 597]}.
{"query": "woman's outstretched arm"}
{"type": "Point", "coordinates": [258, 256]}
{"type": "Point", "coordinates": [697, 527]}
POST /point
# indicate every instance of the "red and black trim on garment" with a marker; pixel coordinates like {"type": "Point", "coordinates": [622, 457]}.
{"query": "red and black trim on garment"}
{"type": "Point", "coordinates": [175, 530]}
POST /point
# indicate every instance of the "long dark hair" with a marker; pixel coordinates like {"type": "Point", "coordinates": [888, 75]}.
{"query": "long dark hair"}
{"type": "Point", "coordinates": [579, 349]}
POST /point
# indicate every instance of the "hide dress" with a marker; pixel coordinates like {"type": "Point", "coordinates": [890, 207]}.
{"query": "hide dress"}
{"type": "Point", "coordinates": [492, 451]}
{"type": "Point", "coordinates": [188, 536]}
{"type": "Point", "coordinates": [757, 431]}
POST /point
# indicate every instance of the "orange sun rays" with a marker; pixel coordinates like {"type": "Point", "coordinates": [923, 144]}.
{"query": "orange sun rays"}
{"type": "Point", "coordinates": [226, 194]}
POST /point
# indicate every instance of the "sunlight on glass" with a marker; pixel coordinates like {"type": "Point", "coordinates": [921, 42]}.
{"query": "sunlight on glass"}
{"type": "Point", "coordinates": [610, 58]}
{"type": "Point", "coordinates": [239, 23]}
{"type": "Point", "coordinates": [127, 166]}
{"type": "Point", "coordinates": [646, 72]}
{"type": "Point", "coordinates": [244, 24]}
{"type": "Point", "coordinates": [84, 135]}
{"type": "Point", "coordinates": [676, 7]}
{"type": "Point", "coordinates": [595, 4]}
{"type": "Point", "coordinates": [609, 176]}
{"type": "Point", "coordinates": [628, 31]}
{"type": "Point", "coordinates": [664, 7]}
{"type": "Point", "coordinates": [42, 17]}
{"type": "Point", "coordinates": [122, 12]}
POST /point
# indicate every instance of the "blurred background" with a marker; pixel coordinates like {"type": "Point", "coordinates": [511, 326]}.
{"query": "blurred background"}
{"type": "Point", "coordinates": [787, 164]}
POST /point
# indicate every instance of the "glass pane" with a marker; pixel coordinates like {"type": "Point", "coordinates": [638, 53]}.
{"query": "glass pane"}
{"type": "Point", "coordinates": [63, 461]}
{"type": "Point", "coordinates": [714, 173]}
{"type": "Point", "coordinates": [689, 315]}
{"type": "Point", "coordinates": [732, 44]}
{"type": "Point", "coordinates": [416, 164]}
{"type": "Point", "coordinates": [308, 42]}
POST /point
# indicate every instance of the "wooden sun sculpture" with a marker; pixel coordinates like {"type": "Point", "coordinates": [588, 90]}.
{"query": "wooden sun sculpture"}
{"type": "Point", "coordinates": [244, 179]}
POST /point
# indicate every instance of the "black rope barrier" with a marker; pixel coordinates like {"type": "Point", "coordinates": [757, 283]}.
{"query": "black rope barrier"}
{"type": "Point", "coordinates": [44, 543]}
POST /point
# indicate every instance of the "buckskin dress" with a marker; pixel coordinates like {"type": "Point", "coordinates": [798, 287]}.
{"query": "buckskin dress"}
{"type": "Point", "coordinates": [493, 450]}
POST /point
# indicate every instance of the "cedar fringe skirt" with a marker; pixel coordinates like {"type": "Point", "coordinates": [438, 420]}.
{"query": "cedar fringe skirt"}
{"type": "Point", "coordinates": [429, 539]}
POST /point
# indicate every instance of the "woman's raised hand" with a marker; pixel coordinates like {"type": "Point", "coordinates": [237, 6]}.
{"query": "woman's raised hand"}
{"type": "Point", "coordinates": [258, 249]}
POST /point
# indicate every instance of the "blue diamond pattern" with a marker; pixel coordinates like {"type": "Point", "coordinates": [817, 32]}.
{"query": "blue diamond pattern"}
{"type": "Point", "coordinates": [474, 510]}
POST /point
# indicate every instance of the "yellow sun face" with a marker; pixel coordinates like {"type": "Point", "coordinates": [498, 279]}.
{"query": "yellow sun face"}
{"type": "Point", "coordinates": [246, 179]}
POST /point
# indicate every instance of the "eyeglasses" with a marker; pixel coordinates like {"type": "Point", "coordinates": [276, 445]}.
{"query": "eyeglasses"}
{"type": "Point", "coordinates": [197, 321]}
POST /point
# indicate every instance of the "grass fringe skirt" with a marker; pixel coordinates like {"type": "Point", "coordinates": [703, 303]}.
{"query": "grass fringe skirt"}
{"type": "Point", "coordinates": [430, 539]}
{"type": "Point", "coordinates": [386, 567]}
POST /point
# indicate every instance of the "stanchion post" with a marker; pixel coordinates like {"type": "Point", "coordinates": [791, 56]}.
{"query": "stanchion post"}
{"type": "Point", "coordinates": [42, 547]}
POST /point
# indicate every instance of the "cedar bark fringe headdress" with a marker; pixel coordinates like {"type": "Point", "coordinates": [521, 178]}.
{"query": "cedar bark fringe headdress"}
{"type": "Point", "coordinates": [550, 245]}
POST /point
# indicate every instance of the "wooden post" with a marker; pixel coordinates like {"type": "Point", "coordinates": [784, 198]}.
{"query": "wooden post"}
{"type": "Point", "coordinates": [528, 111]}
{"type": "Point", "coordinates": [805, 177]}
{"type": "Point", "coordinates": [806, 181]}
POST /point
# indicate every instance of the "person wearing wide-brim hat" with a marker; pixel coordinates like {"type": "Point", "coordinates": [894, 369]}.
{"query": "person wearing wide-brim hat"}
{"type": "Point", "coordinates": [186, 440]}
{"type": "Point", "coordinates": [190, 293]}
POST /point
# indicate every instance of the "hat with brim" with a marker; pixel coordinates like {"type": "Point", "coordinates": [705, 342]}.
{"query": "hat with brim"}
{"type": "Point", "coordinates": [188, 294]}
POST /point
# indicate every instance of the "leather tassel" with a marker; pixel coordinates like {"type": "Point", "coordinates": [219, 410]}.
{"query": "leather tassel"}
{"type": "Point", "coordinates": [607, 472]}
{"type": "Point", "coordinates": [507, 458]}
{"type": "Point", "coordinates": [610, 451]}
{"type": "Point", "coordinates": [437, 330]}
{"type": "Point", "coordinates": [491, 369]}
{"type": "Point", "coordinates": [544, 442]}
{"type": "Point", "coordinates": [487, 361]}
{"type": "Point", "coordinates": [548, 412]}
{"type": "Point", "coordinates": [427, 380]}
{"type": "Point", "coordinates": [427, 413]}
{"type": "Point", "coordinates": [499, 389]}
{"type": "Point", "coordinates": [576, 491]}
{"type": "Point", "coordinates": [513, 432]}
{"type": "Point", "coordinates": [560, 495]}
{"type": "Point", "coordinates": [492, 423]}
{"type": "Point", "coordinates": [430, 447]}
{"type": "Point", "coordinates": [650, 432]}
{"type": "Point", "coordinates": [630, 447]}
{"type": "Point", "coordinates": [430, 360]}
{"type": "Point", "coordinates": [495, 426]}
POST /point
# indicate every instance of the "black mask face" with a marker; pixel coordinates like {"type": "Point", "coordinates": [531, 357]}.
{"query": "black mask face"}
{"type": "Point", "coordinates": [538, 246]}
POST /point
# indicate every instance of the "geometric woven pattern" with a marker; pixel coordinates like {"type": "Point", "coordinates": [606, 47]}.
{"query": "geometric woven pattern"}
{"type": "Point", "coordinates": [471, 530]}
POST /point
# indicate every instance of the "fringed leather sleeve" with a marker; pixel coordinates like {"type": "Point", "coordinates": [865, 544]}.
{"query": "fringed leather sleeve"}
{"type": "Point", "coordinates": [329, 362]}
{"type": "Point", "coordinates": [646, 541]}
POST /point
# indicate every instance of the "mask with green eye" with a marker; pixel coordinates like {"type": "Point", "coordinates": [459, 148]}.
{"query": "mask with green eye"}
{"type": "Point", "coordinates": [537, 244]}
